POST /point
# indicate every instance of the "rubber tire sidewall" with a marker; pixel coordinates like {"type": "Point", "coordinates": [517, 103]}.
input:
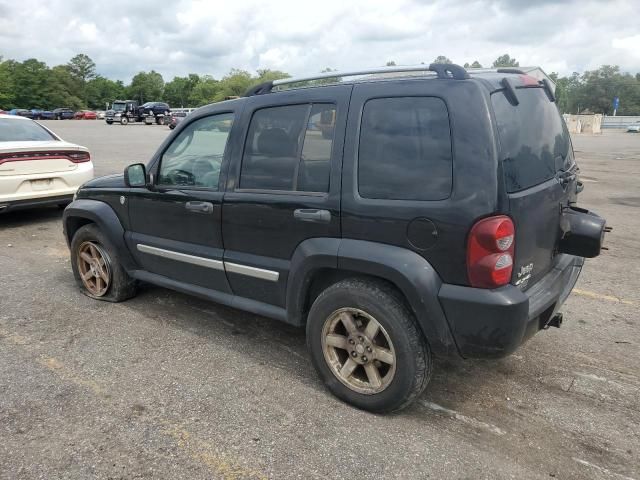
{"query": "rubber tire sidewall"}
{"type": "Point", "coordinates": [122, 285]}
{"type": "Point", "coordinates": [413, 356]}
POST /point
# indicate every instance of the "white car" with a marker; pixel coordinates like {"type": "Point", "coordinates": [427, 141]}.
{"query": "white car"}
{"type": "Point", "coordinates": [634, 127]}
{"type": "Point", "coordinates": [37, 167]}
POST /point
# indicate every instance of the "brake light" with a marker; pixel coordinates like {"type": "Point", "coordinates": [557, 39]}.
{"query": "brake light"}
{"type": "Point", "coordinates": [72, 156]}
{"type": "Point", "coordinates": [490, 250]}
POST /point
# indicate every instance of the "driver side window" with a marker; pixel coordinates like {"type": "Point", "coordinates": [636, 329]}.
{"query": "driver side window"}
{"type": "Point", "coordinates": [194, 157]}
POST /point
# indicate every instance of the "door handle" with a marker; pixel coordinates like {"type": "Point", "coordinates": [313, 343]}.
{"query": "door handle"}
{"type": "Point", "coordinates": [199, 207]}
{"type": "Point", "coordinates": [312, 215]}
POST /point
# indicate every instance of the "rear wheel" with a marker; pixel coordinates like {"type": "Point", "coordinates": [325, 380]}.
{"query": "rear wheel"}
{"type": "Point", "coordinates": [96, 268]}
{"type": "Point", "coordinates": [366, 346]}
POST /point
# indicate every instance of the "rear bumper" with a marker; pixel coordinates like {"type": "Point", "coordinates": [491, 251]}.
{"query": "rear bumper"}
{"type": "Point", "coordinates": [493, 323]}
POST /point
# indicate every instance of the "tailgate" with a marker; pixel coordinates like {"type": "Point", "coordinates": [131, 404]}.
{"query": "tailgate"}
{"type": "Point", "coordinates": [539, 177]}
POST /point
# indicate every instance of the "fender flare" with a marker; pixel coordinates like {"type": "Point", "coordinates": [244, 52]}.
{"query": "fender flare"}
{"type": "Point", "coordinates": [107, 220]}
{"type": "Point", "coordinates": [409, 272]}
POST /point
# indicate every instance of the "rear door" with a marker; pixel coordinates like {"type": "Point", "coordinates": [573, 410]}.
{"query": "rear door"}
{"type": "Point", "coordinates": [539, 174]}
{"type": "Point", "coordinates": [284, 188]}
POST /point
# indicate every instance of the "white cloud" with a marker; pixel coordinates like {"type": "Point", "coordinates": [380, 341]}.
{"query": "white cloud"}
{"type": "Point", "coordinates": [124, 37]}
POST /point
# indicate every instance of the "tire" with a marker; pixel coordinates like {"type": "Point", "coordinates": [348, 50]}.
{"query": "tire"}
{"type": "Point", "coordinates": [160, 120]}
{"type": "Point", "coordinates": [401, 380]}
{"type": "Point", "coordinates": [120, 286]}
{"type": "Point", "coordinates": [108, 122]}
{"type": "Point", "coordinates": [124, 120]}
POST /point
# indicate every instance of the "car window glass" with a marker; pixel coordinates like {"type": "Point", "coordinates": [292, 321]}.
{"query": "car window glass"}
{"type": "Point", "coordinates": [405, 149]}
{"type": "Point", "coordinates": [288, 148]}
{"type": "Point", "coordinates": [12, 130]}
{"type": "Point", "coordinates": [194, 157]}
{"type": "Point", "coordinates": [534, 140]}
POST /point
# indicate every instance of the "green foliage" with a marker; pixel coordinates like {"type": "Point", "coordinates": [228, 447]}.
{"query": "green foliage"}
{"type": "Point", "coordinates": [442, 59]}
{"type": "Point", "coordinates": [475, 64]}
{"type": "Point", "coordinates": [102, 91]}
{"type": "Point", "coordinates": [146, 87]}
{"type": "Point", "coordinates": [32, 84]}
{"type": "Point", "coordinates": [505, 61]}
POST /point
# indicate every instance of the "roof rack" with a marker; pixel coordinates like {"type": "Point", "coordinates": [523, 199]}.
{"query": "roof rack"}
{"type": "Point", "coordinates": [442, 70]}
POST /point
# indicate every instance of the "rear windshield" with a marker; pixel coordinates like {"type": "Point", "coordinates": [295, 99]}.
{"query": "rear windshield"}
{"type": "Point", "coordinates": [22, 131]}
{"type": "Point", "coordinates": [534, 141]}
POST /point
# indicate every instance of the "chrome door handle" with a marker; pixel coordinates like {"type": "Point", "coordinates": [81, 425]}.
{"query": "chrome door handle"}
{"type": "Point", "coordinates": [199, 207]}
{"type": "Point", "coordinates": [312, 215]}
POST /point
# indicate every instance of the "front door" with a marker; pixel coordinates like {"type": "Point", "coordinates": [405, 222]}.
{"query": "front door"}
{"type": "Point", "coordinates": [283, 188]}
{"type": "Point", "coordinates": [175, 226]}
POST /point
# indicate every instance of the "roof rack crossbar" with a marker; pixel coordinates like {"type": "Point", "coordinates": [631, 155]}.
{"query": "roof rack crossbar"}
{"type": "Point", "coordinates": [442, 70]}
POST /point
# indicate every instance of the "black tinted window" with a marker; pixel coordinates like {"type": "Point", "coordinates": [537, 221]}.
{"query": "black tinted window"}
{"type": "Point", "coordinates": [289, 148]}
{"type": "Point", "coordinates": [405, 149]}
{"type": "Point", "coordinates": [534, 141]}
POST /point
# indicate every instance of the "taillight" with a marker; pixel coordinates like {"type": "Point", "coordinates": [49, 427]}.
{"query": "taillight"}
{"type": "Point", "coordinates": [73, 156]}
{"type": "Point", "coordinates": [490, 250]}
{"type": "Point", "coordinates": [78, 157]}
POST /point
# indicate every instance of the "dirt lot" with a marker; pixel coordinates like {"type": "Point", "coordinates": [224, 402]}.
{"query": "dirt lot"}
{"type": "Point", "coordinates": [167, 386]}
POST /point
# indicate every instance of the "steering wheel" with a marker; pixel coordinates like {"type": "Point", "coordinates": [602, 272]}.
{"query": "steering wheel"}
{"type": "Point", "coordinates": [182, 177]}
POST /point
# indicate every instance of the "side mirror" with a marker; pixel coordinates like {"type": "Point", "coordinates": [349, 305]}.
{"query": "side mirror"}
{"type": "Point", "coordinates": [135, 175]}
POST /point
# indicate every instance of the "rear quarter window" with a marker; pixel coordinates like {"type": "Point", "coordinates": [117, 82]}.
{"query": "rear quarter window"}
{"type": "Point", "coordinates": [405, 149]}
{"type": "Point", "coordinates": [534, 141]}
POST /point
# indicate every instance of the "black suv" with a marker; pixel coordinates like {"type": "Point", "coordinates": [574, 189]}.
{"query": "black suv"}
{"type": "Point", "coordinates": [397, 217]}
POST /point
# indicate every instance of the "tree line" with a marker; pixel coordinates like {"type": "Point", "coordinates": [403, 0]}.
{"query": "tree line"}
{"type": "Point", "coordinates": [77, 85]}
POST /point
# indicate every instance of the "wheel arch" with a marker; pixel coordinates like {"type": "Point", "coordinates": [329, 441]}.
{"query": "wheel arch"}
{"type": "Point", "coordinates": [82, 212]}
{"type": "Point", "coordinates": [319, 263]}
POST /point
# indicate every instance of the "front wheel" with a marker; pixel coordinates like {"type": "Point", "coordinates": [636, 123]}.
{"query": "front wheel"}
{"type": "Point", "coordinates": [96, 267]}
{"type": "Point", "coordinates": [366, 346]}
{"type": "Point", "coordinates": [124, 120]}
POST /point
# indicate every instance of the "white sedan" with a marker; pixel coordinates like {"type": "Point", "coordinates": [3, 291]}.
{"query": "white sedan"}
{"type": "Point", "coordinates": [634, 127]}
{"type": "Point", "coordinates": [37, 167]}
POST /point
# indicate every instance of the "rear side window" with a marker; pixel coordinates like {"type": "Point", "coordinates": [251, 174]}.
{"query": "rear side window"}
{"type": "Point", "coordinates": [534, 141]}
{"type": "Point", "coordinates": [405, 149]}
{"type": "Point", "coordinates": [288, 148]}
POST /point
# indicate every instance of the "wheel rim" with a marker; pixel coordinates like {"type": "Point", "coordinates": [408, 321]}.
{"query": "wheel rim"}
{"type": "Point", "coordinates": [358, 350]}
{"type": "Point", "coordinates": [94, 268]}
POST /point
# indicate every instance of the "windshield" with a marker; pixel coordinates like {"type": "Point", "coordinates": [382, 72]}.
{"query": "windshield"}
{"type": "Point", "coordinates": [23, 131]}
{"type": "Point", "coordinates": [118, 107]}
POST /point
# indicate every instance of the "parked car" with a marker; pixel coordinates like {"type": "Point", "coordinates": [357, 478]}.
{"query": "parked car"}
{"type": "Point", "coordinates": [36, 114]}
{"type": "Point", "coordinates": [37, 167]}
{"type": "Point", "coordinates": [21, 112]}
{"type": "Point", "coordinates": [47, 115]}
{"type": "Point", "coordinates": [63, 114]}
{"type": "Point", "coordinates": [100, 114]}
{"type": "Point", "coordinates": [85, 115]}
{"type": "Point", "coordinates": [394, 219]}
{"type": "Point", "coordinates": [176, 118]}
{"type": "Point", "coordinates": [634, 127]}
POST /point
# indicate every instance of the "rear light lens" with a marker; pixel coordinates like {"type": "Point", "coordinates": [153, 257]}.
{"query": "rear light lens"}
{"type": "Point", "coordinates": [74, 156]}
{"type": "Point", "coordinates": [490, 249]}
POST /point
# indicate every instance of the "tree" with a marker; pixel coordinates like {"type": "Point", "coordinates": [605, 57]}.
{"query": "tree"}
{"type": "Point", "coordinates": [204, 92]}
{"type": "Point", "coordinates": [63, 90]}
{"type": "Point", "coordinates": [146, 87]}
{"type": "Point", "coordinates": [442, 59]}
{"type": "Point", "coordinates": [6, 84]}
{"type": "Point", "coordinates": [505, 61]}
{"type": "Point", "coordinates": [30, 79]}
{"type": "Point", "coordinates": [234, 84]}
{"type": "Point", "coordinates": [178, 91]}
{"type": "Point", "coordinates": [82, 67]}
{"type": "Point", "coordinates": [101, 91]}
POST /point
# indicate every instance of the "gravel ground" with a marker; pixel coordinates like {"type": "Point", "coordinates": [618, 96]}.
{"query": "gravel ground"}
{"type": "Point", "coordinates": [168, 386]}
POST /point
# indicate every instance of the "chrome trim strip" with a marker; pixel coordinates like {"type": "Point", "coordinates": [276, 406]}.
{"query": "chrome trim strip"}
{"type": "Point", "coordinates": [182, 257]}
{"type": "Point", "coordinates": [252, 271]}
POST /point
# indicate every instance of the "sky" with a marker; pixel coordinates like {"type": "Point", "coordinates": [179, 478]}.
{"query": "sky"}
{"type": "Point", "coordinates": [179, 37]}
